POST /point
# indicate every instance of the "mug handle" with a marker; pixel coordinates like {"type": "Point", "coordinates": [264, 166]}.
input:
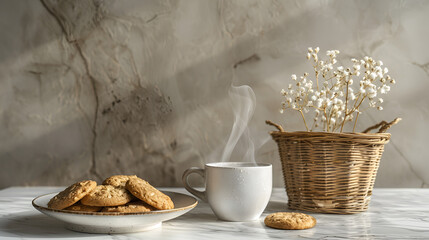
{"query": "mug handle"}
{"type": "Point", "coordinates": [202, 173]}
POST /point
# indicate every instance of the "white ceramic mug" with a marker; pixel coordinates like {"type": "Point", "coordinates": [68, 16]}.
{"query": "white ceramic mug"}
{"type": "Point", "coordinates": [236, 191]}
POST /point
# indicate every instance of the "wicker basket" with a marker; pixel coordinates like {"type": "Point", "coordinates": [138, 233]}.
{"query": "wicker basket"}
{"type": "Point", "coordinates": [330, 172]}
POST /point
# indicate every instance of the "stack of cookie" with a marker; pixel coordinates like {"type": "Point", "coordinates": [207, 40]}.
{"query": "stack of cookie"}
{"type": "Point", "coordinates": [119, 193]}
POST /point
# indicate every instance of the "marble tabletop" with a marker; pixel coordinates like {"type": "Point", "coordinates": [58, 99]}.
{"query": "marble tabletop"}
{"type": "Point", "coordinates": [393, 214]}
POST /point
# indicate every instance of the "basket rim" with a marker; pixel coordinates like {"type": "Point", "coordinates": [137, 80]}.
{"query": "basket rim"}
{"type": "Point", "coordinates": [332, 134]}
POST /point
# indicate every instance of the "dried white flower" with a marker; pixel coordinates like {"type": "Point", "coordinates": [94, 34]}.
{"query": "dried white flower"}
{"type": "Point", "coordinates": [385, 70]}
{"type": "Point", "coordinates": [356, 67]}
{"type": "Point", "coordinates": [338, 114]}
{"type": "Point", "coordinates": [384, 89]}
{"type": "Point", "coordinates": [372, 93]}
{"type": "Point", "coordinates": [314, 55]}
{"type": "Point", "coordinates": [314, 98]}
{"type": "Point", "coordinates": [331, 94]}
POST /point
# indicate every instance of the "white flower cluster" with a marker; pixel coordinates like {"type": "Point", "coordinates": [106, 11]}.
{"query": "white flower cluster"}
{"type": "Point", "coordinates": [333, 94]}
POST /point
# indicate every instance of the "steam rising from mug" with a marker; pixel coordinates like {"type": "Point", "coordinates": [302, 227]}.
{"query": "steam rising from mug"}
{"type": "Point", "coordinates": [243, 101]}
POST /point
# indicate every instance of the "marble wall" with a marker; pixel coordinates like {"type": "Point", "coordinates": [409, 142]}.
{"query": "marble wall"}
{"type": "Point", "coordinates": [95, 88]}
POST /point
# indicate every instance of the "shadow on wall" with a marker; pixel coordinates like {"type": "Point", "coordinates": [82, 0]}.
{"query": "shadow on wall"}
{"type": "Point", "coordinates": [66, 154]}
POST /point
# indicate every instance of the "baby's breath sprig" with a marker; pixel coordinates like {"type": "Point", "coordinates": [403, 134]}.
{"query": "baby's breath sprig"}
{"type": "Point", "coordinates": [333, 98]}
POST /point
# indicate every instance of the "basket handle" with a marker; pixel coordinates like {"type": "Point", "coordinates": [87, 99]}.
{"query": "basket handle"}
{"type": "Point", "coordinates": [383, 125]}
{"type": "Point", "coordinates": [280, 128]}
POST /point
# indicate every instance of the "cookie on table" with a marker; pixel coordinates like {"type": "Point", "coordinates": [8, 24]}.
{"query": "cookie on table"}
{"type": "Point", "coordinates": [118, 180]}
{"type": "Point", "coordinates": [290, 221]}
{"type": "Point", "coordinates": [107, 195]}
{"type": "Point", "coordinates": [72, 194]}
{"type": "Point", "coordinates": [136, 206]}
{"type": "Point", "coordinates": [78, 207]}
{"type": "Point", "coordinates": [148, 194]}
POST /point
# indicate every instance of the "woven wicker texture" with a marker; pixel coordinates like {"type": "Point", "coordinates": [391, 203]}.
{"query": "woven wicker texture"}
{"type": "Point", "coordinates": [330, 172]}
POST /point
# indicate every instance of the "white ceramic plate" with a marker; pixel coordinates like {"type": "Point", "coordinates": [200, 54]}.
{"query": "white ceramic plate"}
{"type": "Point", "coordinates": [101, 222]}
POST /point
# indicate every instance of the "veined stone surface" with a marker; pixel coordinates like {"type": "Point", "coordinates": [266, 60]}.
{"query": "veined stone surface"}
{"type": "Point", "coordinates": [95, 88]}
